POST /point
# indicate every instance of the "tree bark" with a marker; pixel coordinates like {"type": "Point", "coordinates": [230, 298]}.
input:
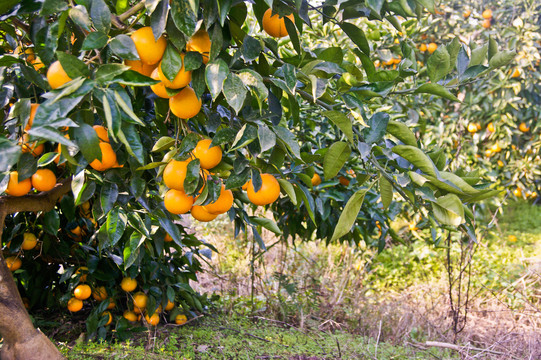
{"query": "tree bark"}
{"type": "Point", "coordinates": [21, 340]}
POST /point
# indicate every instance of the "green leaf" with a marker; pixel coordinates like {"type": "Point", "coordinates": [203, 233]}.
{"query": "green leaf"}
{"type": "Point", "coordinates": [131, 252]}
{"type": "Point", "coordinates": [439, 64]}
{"type": "Point", "coordinates": [10, 154]}
{"type": "Point", "coordinates": [88, 142]}
{"type": "Point", "coordinates": [192, 61]}
{"type": "Point", "coordinates": [129, 136]}
{"type": "Point", "coordinates": [449, 210]}
{"type": "Point", "coordinates": [50, 7]}
{"type": "Point", "coordinates": [164, 143]}
{"type": "Point", "coordinates": [386, 190]}
{"type": "Point", "coordinates": [51, 222]}
{"type": "Point", "coordinates": [192, 176]}
{"type": "Point", "coordinates": [335, 158]}
{"type": "Point", "coordinates": [124, 47]}
{"type": "Point", "coordinates": [436, 89]}
{"type": "Point", "coordinates": [293, 35]}
{"type": "Point", "coordinates": [245, 136]}
{"type": "Point", "coordinates": [349, 214]}
{"type": "Point", "coordinates": [79, 15]}
{"type": "Point", "coordinates": [418, 158]}
{"type": "Point", "coordinates": [72, 66]}
{"type": "Point", "coordinates": [115, 224]}
{"type": "Point", "coordinates": [94, 40]}
{"type": "Point", "coordinates": [289, 190]}
{"type": "Point", "coordinates": [377, 127]}
{"type": "Point", "coordinates": [267, 139]}
{"type": "Point", "coordinates": [108, 72]}
{"type": "Point", "coordinates": [108, 196]}
{"type": "Point", "coordinates": [357, 36]}
{"type": "Point", "coordinates": [342, 121]}
{"type": "Point", "coordinates": [402, 132]}
{"type": "Point", "coordinates": [254, 81]}
{"type": "Point", "coordinates": [492, 48]}
{"type": "Point", "coordinates": [234, 91]}
{"type": "Point", "coordinates": [453, 48]}
{"type": "Point", "coordinates": [171, 62]}
{"type": "Point", "coordinates": [502, 58]}
{"type": "Point", "coordinates": [184, 17]}
{"type": "Point", "coordinates": [478, 55]}
{"type": "Point", "coordinates": [101, 16]}
{"type": "Point", "coordinates": [215, 74]}
{"type": "Point", "coordinates": [158, 18]}
{"type": "Point", "coordinates": [133, 78]}
{"type": "Point", "coordinates": [127, 108]}
{"type": "Point", "coordinates": [267, 224]}
{"type": "Point", "coordinates": [251, 48]}
{"type": "Point", "coordinates": [289, 140]}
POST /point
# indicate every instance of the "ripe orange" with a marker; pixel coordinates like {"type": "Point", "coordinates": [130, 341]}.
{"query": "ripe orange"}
{"type": "Point", "coordinates": [516, 73]}
{"type": "Point", "coordinates": [500, 163]}
{"type": "Point", "coordinates": [267, 194]}
{"type": "Point", "coordinates": [496, 148]}
{"type": "Point", "coordinates": [432, 47]}
{"type": "Point", "coordinates": [181, 319]}
{"type": "Point", "coordinates": [159, 88]}
{"type": "Point", "coordinates": [108, 158]}
{"type": "Point", "coordinates": [511, 238]}
{"type": "Point", "coordinates": [182, 78]}
{"type": "Point", "coordinates": [43, 180]}
{"type": "Point", "coordinates": [170, 305]}
{"type": "Point", "coordinates": [486, 23]}
{"type": "Point", "coordinates": [130, 316]}
{"type": "Point", "coordinates": [112, 304]}
{"type": "Point", "coordinates": [110, 319]}
{"type": "Point", "coordinates": [423, 47]}
{"type": "Point", "coordinates": [150, 51]}
{"type": "Point", "coordinates": [472, 128]}
{"type": "Point", "coordinates": [316, 179]}
{"type": "Point", "coordinates": [479, 127]}
{"type": "Point", "coordinates": [275, 25]}
{"type": "Point", "coordinates": [199, 213]}
{"type": "Point", "coordinates": [488, 152]}
{"type": "Point", "coordinates": [101, 132]}
{"type": "Point", "coordinates": [523, 127]}
{"type": "Point", "coordinates": [200, 42]}
{"type": "Point", "coordinates": [56, 76]}
{"type": "Point", "coordinates": [343, 180]}
{"type": "Point", "coordinates": [29, 241]}
{"type": "Point", "coordinates": [140, 67]}
{"type": "Point", "coordinates": [167, 238]}
{"type": "Point", "coordinates": [33, 109]}
{"type": "Point", "coordinates": [487, 14]}
{"type": "Point", "coordinates": [185, 104]}
{"type": "Point", "coordinates": [83, 271]}
{"type": "Point", "coordinates": [518, 192]}
{"type": "Point", "coordinates": [128, 284]}
{"type": "Point", "coordinates": [140, 301]}
{"type": "Point", "coordinates": [153, 320]}
{"type": "Point", "coordinates": [223, 203]}
{"type": "Point", "coordinates": [466, 14]}
{"type": "Point", "coordinates": [174, 174]}
{"type": "Point", "coordinates": [177, 202]}
{"type": "Point", "coordinates": [82, 292]}
{"type": "Point", "coordinates": [208, 156]}
{"type": "Point", "coordinates": [16, 188]}
{"type": "Point", "coordinates": [28, 147]}
{"type": "Point", "coordinates": [490, 127]}
{"type": "Point", "coordinates": [13, 263]}
{"type": "Point", "coordinates": [75, 304]}
{"type": "Point", "coordinates": [99, 293]}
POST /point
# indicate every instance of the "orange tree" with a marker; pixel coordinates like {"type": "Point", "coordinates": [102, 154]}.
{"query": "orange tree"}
{"type": "Point", "coordinates": [121, 119]}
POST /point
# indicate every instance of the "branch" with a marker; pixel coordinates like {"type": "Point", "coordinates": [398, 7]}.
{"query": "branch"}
{"type": "Point", "coordinates": [118, 21]}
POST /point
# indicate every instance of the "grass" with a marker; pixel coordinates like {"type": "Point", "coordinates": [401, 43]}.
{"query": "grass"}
{"type": "Point", "coordinates": [223, 337]}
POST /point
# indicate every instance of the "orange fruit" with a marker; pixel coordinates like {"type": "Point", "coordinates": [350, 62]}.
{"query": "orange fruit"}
{"type": "Point", "coordinates": [108, 158]}
{"type": "Point", "coordinates": [511, 238]}
{"type": "Point", "coordinates": [500, 163]}
{"type": "Point", "coordinates": [99, 293]}
{"type": "Point", "coordinates": [140, 67]}
{"type": "Point", "coordinates": [170, 305]}
{"type": "Point", "coordinates": [150, 51]}
{"type": "Point", "coordinates": [43, 180]}
{"type": "Point", "coordinates": [75, 304]}
{"type": "Point", "coordinates": [432, 47]}
{"type": "Point", "coordinates": [486, 23]}
{"type": "Point", "coordinates": [110, 320]}
{"type": "Point", "coordinates": [275, 25]}
{"type": "Point", "coordinates": [490, 127]}
{"type": "Point", "coordinates": [488, 152]}
{"type": "Point", "coordinates": [174, 174]}
{"type": "Point", "coordinates": [29, 241]}
{"type": "Point", "coordinates": [466, 14]}
{"type": "Point", "coordinates": [83, 270]}
{"type": "Point", "coordinates": [128, 284]}
{"type": "Point", "coordinates": [101, 132]}
{"type": "Point", "coordinates": [16, 188]}
{"type": "Point", "coordinates": [472, 128]}
{"type": "Point", "coordinates": [487, 14]}
{"type": "Point", "coordinates": [200, 42]}
{"type": "Point", "coordinates": [13, 263]}
{"type": "Point", "coordinates": [27, 147]}
{"type": "Point", "coordinates": [159, 88]}
{"type": "Point", "coordinates": [140, 301]}
{"type": "Point", "coordinates": [177, 202]}
{"type": "Point", "coordinates": [33, 109]}
{"type": "Point", "coordinates": [167, 238]}
{"type": "Point", "coordinates": [153, 320]}
{"type": "Point", "coordinates": [82, 292]}
{"type": "Point", "coordinates": [518, 192]}
{"type": "Point", "coordinates": [199, 213]}
{"type": "Point", "coordinates": [423, 47]}
{"type": "Point", "coordinates": [523, 127]}
{"type": "Point", "coordinates": [316, 179]}
{"type": "Point", "coordinates": [516, 73]}
{"type": "Point", "coordinates": [496, 148]}
{"type": "Point", "coordinates": [181, 319]}
{"type": "Point", "coordinates": [130, 316]}
{"type": "Point", "coordinates": [185, 104]}
{"type": "Point", "coordinates": [112, 304]}
{"type": "Point", "coordinates": [343, 180]}
{"type": "Point", "coordinates": [56, 76]}
{"type": "Point", "coordinates": [208, 156]}
{"type": "Point", "coordinates": [182, 78]}
{"type": "Point", "coordinates": [267, 194]}
{"type": "Point", "coordinates": [223, 203]}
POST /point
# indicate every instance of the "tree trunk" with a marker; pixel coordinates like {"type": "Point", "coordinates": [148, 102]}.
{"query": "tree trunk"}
{"type": "Point", "coordinates": [21, 340]}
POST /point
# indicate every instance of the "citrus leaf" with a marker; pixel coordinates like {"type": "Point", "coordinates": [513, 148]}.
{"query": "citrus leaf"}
{"type": "Point", "coordinates": [349, 214]}
{"type": "Point", "coordinates": [335, 158]}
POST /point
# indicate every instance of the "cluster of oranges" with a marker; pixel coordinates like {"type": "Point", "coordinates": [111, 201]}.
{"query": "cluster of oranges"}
{"type": "Point", "coordinates": [430, 47]}
{"type": "Point", "coordinates": [41, 180]}
{"type": "Point", "coordinates": [139, 301]}
{"type": "Point", "coordinates": [29, 242]}
{"type": "Point", "coordinates": [108, 155]}
{"type": "Point", "coordinates": [487, 16]}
